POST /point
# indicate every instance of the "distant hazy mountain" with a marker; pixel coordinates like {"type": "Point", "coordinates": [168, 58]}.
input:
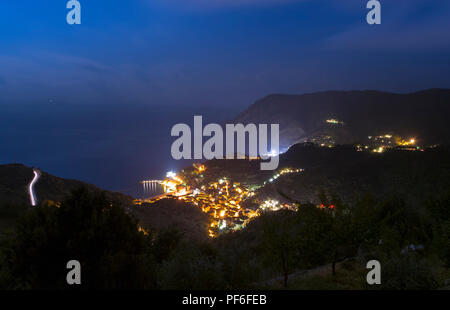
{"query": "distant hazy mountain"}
{"type": "Point", "coordinates": [423, 115]}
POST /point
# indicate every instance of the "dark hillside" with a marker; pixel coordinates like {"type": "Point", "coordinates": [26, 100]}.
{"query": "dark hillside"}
{"type": "Point", "coordinates": [422, 114]}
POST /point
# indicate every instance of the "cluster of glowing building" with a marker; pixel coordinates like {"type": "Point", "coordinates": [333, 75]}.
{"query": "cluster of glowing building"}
{"type": "Point", "coordinates": [283, 172]}
{"type": "Point", "coordinates": [221, 199]}
{"type": "Point", "coordinates": [378, 144]}
{"type": "Point", "coordinates": [274, 205]}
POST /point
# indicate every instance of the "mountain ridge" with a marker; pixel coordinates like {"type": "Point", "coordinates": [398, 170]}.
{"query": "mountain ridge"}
{"type": "Point", "coordinates": [364, 112]}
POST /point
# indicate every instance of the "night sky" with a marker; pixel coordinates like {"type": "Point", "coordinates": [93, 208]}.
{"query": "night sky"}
{"type": "Point", "coordinates": [217, 51]}
{"type": "Point", "coordinates": [219, 54]}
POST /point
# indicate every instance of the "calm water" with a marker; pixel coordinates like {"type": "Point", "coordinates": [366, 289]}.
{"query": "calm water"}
{"type": "Point", "coordinates": [111, 146]}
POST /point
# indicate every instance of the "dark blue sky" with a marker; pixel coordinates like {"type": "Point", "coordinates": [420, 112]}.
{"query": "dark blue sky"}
{"type": "Point", "coordinates": [96, 102]}
{"type": "Point", "coordinates": [217, 51]}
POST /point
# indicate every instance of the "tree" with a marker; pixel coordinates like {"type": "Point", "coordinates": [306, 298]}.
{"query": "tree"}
{"type": "Point", "coordinates": [279, 241]}
{"type": "Point", "coordinates": [88, 228]}
{"type": "Point", "coordinates": [439, 211]}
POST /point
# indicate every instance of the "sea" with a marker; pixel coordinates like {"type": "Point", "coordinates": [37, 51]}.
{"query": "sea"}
{"type": "Point", "coordinates": [113, 146]}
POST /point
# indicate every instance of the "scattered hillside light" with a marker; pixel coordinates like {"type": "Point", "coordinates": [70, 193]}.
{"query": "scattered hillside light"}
{"type": "Point", "coordinates": [142, 230]}
{"type": "Point", "coordinates": [412, 141]}
{"type": "Point", "coordinates": [272, 153]}
{"type": "Point", "coordinates": [171, 174]}
{"type": "Point", "coordinates": [270, 205]}
{"type": "Point", "coordinates": [223, 225]}
{"type": "Point", "coordinates": [379, 150]}
{"type": "Point", "coordinates": [334, 121]}
{"type": "Point", "coordinates": [182, 192]}
{"type": "Point", "coordinates": [201, 168]}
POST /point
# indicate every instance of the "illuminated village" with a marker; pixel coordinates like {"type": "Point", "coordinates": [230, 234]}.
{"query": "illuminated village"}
{"type": "Point", "coordinates": [221, 199]}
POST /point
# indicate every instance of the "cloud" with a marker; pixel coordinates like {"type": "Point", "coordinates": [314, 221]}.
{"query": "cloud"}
{"type": "Point", "coordinates": [60, 77]}
{"type": "Point", "coordinates": [401, 29]}
{"type": "Point", "coordinates": [81, 62]}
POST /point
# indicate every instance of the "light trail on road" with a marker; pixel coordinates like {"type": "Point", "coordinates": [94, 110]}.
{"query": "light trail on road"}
{"type": "Point", "coordinates": [30, 187]}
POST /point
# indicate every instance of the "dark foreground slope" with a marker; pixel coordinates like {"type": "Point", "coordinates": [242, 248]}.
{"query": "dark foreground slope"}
{"type": "Point", "coordinates": [422, 114]}
{"type": "Point", "coordinates": [14, 196]}
{"type": "Point", "coordinates": [314, 248]}
{"type": "Point", "coordinates": [174, 214]}
{"type": "Point", "coordinates": [163, 215]}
